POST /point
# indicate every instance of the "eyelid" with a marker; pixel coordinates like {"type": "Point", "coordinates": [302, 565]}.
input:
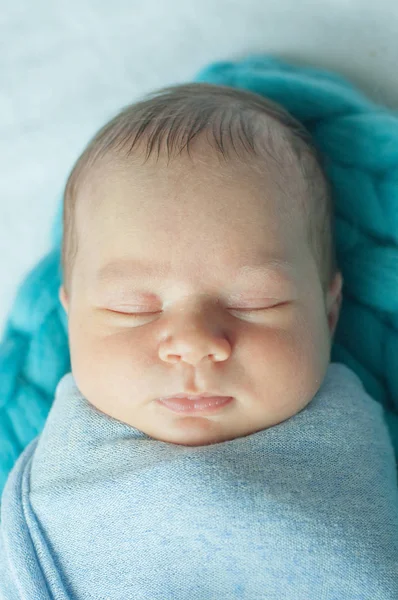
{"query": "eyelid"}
{"type": "Point", "coordinates": [259, 301]}
{"type": "Point", "coordinates": [144, 314]}
{"type": "Point", "coordinates": [141, 314]}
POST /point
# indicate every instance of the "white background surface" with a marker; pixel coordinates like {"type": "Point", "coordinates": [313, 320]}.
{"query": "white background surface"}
{"type": "Point", "coordinates": [67, 66]}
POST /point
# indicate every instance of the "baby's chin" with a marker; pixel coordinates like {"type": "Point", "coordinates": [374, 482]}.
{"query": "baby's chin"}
{"type": "Point", "coordinates": [202, 431]}
{"type": "Point", "coordinates": [198, 438]}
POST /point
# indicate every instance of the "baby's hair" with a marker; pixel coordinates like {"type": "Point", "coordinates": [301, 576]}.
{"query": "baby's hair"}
{"type": "Point", "coordinates": [182, 112]}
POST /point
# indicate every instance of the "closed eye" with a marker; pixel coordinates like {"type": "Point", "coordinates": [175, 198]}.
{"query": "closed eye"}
{"type": "Point", "coordinates": [262, 309]}
{"type": "Point", "coordinates": [146, 314]}
{"type": "Point", "coordinates": [132, 314]}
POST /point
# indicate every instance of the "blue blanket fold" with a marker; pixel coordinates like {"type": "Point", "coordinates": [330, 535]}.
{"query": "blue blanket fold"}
{"type": "Point", "coordinates": [307, 509]}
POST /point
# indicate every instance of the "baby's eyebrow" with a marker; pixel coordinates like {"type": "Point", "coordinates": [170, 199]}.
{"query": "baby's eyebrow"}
{"type": "Point", "coordinates": [273, 267]}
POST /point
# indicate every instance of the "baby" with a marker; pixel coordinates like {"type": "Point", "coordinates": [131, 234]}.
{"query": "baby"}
{"type": "Point", "coordinates": [210, 274]}
{"type": "Point", "coordinates": [203, 446]}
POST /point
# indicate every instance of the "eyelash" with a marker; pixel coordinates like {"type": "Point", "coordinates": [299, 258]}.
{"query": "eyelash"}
{"type": "Point", "coordinates": [247, 310]}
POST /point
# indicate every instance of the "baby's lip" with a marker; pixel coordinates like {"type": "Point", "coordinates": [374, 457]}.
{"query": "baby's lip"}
{"type": "Point", "coordinates": [201, 403]}
{"type": "Point", "coordinates": [194, 396]}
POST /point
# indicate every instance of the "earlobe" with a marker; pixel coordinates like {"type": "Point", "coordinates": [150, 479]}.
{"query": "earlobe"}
{"type": "Point", "coordinates": [63, 299]}
{"type": "Point", "coordinates": [334, 315]}
{"type": "Point", "coordinates": [335, 300]}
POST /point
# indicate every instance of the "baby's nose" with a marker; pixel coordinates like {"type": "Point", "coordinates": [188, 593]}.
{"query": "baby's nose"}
{"type": "Point", "coordinates": [192, 343]}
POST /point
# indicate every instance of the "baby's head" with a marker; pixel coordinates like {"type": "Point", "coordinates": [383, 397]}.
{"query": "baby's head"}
{"type": "Point", "coordinates": [208, 270]}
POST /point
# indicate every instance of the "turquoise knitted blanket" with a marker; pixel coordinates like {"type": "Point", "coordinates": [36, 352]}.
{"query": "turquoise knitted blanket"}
{"type": "Point", "coordinates": [359, 140]}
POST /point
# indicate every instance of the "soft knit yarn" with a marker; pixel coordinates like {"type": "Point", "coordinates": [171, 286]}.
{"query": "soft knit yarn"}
{"type": "Point", "coordinates": [359, 140]}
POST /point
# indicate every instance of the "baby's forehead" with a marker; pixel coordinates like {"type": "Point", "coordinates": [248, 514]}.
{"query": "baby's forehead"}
{"type": "Point", "coordinates": [205, 165]}
{"type": "Point", "coordinates": [158, 177]}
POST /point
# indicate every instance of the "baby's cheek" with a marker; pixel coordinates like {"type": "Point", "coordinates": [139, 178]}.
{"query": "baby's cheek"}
{"type": "Point", "coordinates": [94, 350]}
{"type": "Point", "coordinates": [117, 351]}
{"type": "Point", "coordinates": [309, 356]}
{"type": "Point", "coordinates": [299, 355]}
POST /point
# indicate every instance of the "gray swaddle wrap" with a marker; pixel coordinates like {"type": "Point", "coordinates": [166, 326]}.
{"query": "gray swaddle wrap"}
{"type": "Point", "coordinates": [307, 509]}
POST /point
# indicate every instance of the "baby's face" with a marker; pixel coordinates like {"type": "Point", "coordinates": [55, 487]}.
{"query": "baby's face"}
{"type": "Point", "coordinates": [193, 302]}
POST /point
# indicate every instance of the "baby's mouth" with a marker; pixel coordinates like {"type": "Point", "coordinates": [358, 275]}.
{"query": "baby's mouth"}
{"type": "Point", "coordinates": [192, 404]}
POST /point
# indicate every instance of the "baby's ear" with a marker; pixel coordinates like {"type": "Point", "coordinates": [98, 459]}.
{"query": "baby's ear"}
{"type": "Point", "coordinates": [334, 302]}
{"type": "Point", "coordinates": [63, 299]}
